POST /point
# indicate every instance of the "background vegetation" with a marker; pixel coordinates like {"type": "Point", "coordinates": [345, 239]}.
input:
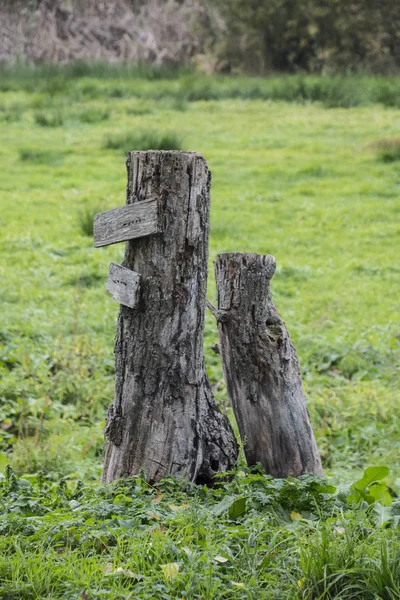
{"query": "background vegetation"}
{"type": "Point", "coordinates": [256, 36]}
{"type": "Point", "coordinates": [313, 36]}
{"type": "Point", "coordinates": [304, 168]}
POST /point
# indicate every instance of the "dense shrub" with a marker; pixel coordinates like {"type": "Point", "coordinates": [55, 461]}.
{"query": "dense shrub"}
{"type": "Point", "coordinates": [310, 35]}
{"type": "Point", "coordinates": [146, 140]}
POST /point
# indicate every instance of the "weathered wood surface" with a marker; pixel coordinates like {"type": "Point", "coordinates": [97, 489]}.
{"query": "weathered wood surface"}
{"type": "Point", "coordinates": [126, 223]}
{"type": "Point", "coordinates": [261, 369]}
{"type": "Point", "coordinates": [123, 285]}
{"type": "Point", "coordinates": [164, 419]}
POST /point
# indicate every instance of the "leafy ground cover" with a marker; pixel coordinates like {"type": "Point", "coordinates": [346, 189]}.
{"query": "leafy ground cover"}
{"type": "Point", "coordinates": [318, 188]}
{"type": "Point", "coordinates": [248, 537]}
{"type": "Point", "coordinates": [85, 81]}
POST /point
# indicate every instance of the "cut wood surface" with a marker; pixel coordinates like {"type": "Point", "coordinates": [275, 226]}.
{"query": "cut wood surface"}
{"type": "Point", "coordinates": [261, 369]}
{"type": "Point", "coordinates": [124, 285]}
{"type": "Point", "coordinates": [126, 223]}
{"type": "Point", "coordinates": [164, 419]}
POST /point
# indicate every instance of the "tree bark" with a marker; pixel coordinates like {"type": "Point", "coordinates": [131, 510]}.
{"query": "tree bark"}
{"type": "Point", "coordinates": [261, 369]}
{"type": "Point", "coordinates": [164, 419]}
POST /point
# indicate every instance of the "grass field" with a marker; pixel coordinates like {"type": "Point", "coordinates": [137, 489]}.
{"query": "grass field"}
{"type": "Point", "coordinates": [311, 180]}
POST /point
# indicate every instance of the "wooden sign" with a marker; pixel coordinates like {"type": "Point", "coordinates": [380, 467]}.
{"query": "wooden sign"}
{"type": "Point", "coordinates": [123, 285]}
{"type": "Point", "coordinates": [126, 223]}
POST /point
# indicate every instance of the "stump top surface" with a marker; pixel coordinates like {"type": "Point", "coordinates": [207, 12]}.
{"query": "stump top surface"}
{"type": "Point", "coordinates": [249, 260]}
{"type": "Point", "coordinates": [160, 153]}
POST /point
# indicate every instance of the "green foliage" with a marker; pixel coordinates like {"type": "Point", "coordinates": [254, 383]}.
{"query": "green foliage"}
{"type": "Point", "coordinates": [179, 104]}
{"type": "Point", "coordinates": [54, 78]}
{"type": "Point", "coordinates": [388, 149]}
{"type": "Point", "coordinates": [85, 219]}
{"type": "Point", "coordinates": [246, 537]}
{"type": "Point", "coordinates": [4, 461]}
{"type": "Point", "coordinates": [12, 113]}
{"type": "Point", "coordinates": [382, 573]}
{"type": "Point", "coordinates": [46, 119]}
{"type": "Point", "coordinates": [370, 489]}
{"type": "Point", "coordinates": [146, 140]}
{"type": "Point", "coordinates": [94, 116]}
{"type": "Point", "coordinates": [41, 157]}
{"type": "Point", "coordinates": [141, 108]}
{"type": "Point", "coordinates": [293, 35]}
{"type": "Point", "coordinates": [51, 87]}
{"type": "Point", "coordinates": [61, 452]}
{"type": "Point", "coordinates": [253, 36]}
{"type": "Point", "coordinates": [390, 154]}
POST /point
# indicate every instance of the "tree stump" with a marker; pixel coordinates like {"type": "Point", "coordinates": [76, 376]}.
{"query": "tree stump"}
{"type": "Point", "coordinates": [164, 420]}
{"type": "Point", "coordinates": [261, 369]}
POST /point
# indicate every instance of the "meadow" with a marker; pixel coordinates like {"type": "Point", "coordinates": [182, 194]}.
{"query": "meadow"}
{"type": "Point", "coordinates": [306, 169]}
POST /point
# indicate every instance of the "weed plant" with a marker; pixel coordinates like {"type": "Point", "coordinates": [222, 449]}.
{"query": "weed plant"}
{"type": "Point", "coordinates": [41, 157]}
{"type": "Point", "coordinates": [390, 154]}
{"type": "Point", "coordinates": [139, 109]}
{"type": "Point", "coordinates": [93, 115]}
{"type": "Point", "coordinates": [12, 113]}
{"type": "Point", "coordinates": [85, 219]}
{"type": "Point", "coordinates": [146, 140]}
{"type": "Point", "coordinates": [388, 150]}
{"type": "Point", "coordinates": [46, 119]}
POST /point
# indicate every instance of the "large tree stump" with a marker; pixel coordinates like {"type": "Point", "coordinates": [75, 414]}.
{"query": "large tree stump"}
{"type": "Point", "coordinates": [261, 369]}
{"type": "Point", "coordinates": [164, 419]}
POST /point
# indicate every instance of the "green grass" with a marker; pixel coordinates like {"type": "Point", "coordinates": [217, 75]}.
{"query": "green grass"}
{"type": "Point", "coordinates": [41, 157]}
{"type": "Point", "coordinates": [292, 178]}
{"type": "Point", "coordinates": [248, 537]}
{"type": "Point", "coordinates": [83, 81]}
{"type": "Point", "coordinates": [49, 119]}
{"type": "Point", "coordinates": [145, 140]}
{"type": "Point", "coordinates": [85, 219]}
{"type": "Point", "coordinates": [94, 116]}
{"type": "Point", "coordinates": [389, 150]}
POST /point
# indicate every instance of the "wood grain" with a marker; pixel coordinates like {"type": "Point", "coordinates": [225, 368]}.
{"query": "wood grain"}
{"type": "Point", "coordinates": [261, 369]}
{"type": "Point", "coordinates": [123, 285]}
{"type": "Point", "coordinates": [126, 223]}
{"type": "Point", "coordinates": [164, 420]}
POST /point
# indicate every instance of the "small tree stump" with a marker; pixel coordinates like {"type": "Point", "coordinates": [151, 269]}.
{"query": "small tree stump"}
{"type": "Point", "coordinates": [261, 369]}
{"type": "Point", "coordinates": [164, 419]}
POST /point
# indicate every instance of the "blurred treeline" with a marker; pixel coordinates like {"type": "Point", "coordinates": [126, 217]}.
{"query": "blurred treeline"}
{"type": "Point", "coordinates": [253, 36]}
{"type": "Point", "coordinates": [312, 35]}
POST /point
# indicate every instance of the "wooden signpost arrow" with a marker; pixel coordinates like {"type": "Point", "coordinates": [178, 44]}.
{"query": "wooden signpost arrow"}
{"type": "Point", "coordinates": [123, 285]}
{"type": "Point", "coordinates": [126, 223]}
{"type": "Point", "coordinates": [121, 225]}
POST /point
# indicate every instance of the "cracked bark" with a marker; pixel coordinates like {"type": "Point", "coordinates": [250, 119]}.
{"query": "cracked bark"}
{"type": "Point", "coordinates": [164, 419]}
{"type": "Point", "coordinates": [261, 369]}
